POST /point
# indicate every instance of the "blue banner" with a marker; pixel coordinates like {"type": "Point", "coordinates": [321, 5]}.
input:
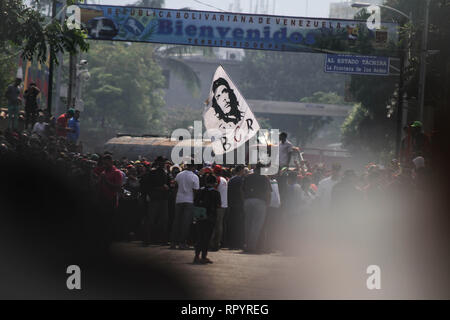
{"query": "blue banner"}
{"type": "Point", "coordinates": [236, 30]}
{"type": "Point", "coordinates": [352, 64]}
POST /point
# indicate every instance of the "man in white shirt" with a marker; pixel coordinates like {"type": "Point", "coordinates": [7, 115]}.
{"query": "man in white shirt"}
{"type": "Point", "coordinates": [222, 187]}
{"type": "Point", "coordinates": [39, 126]}
{"type": "Point", "coordinates": [285, 150]}
{"type": "Point", "coordinates": [187, 183]}
{"type": "Point", "coordinates": [326, 186]}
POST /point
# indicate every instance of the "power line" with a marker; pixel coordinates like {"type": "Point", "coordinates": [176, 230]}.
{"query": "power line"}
{"type": "Point", "coordinates": [208, 5]}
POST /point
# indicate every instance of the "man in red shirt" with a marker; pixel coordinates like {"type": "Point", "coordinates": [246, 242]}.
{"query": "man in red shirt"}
{"type": "Point", "coordinates": [61, 123]}
{"type": "Point", "coordinates": [110, 183]}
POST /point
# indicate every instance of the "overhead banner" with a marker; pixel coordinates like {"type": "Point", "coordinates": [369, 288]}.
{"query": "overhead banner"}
{"type": "Point", "coordinates": [237, 30]}
{"type": "Point", "coordinates": [227, 115]}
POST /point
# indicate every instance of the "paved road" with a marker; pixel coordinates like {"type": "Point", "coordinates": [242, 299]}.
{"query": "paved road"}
{"type": "Point", "coordinates": [236, 275]}
{"type": "Point", "coordinates": [331, 261]}
{"type": "Point", "coordinates": [233, 275]}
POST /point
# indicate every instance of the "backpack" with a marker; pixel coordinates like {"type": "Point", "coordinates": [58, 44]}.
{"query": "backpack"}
{"type": "Point", "coordinates": [200, 206]}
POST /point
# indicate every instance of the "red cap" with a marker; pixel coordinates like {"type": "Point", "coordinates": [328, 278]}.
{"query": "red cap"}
{"type": "Point", "coordinates": [217, 168]}
{"type": "Point", "coordinates": [207, 170]}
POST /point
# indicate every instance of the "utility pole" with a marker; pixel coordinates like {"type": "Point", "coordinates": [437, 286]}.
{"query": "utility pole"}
{"type": "Point", "coordinates": [399, 118]}
{"type": "Point", "coordinates": [423, 63]}
{"type": "Point", "coordinates": [72, 74]}
{"type": "Point", "coordinates": [50, 70]}
{"type": "Point", "coordinates": [405, 106]}
{"type": "Point", "coordinates": [71, 92]}
{"type": "Point", "coordinates": [57, 96]}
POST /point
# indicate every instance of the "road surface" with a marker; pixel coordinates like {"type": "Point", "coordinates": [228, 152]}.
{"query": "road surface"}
{"type": "Point", "coordinates": [236, 275]}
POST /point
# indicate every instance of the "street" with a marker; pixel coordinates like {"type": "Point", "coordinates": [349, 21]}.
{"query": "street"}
{"type": "Point", "coordinates": [236, 275]}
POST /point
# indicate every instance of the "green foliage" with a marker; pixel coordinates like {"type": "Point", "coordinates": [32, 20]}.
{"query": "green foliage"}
{"type": "Point", "coordinates": [8, 68]}
{"type": "Point", "coordinates": [176, 117]}
{"type": "Point", "coordinates": [438, 70]}
{"type": "Point", "coordinates": [124, 91]}
{"type": "Point", "coordinates": [367, 127]}
{"type": "Point", "coordinates": [149, 3]}
{"type": "Point", "coordinates": [325, 97]}
{"type": "Point", "coordinates": [285, 76]}
{"type": "Point", "coordinates": [308, 126]}
{"type": "Point", "coordinates": [26, 29]}
{"type": "Point", "coordinates": [351, 128]}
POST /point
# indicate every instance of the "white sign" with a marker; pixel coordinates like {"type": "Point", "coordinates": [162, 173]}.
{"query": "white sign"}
{"type": "Point", "coordinates": [227, 116]}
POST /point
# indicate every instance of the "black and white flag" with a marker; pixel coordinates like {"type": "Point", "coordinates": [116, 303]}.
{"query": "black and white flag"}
{"type": "Point", "coordinates": [228, 115]}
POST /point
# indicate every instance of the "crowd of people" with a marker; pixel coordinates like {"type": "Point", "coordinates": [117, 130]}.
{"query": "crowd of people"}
{"type": "Point", "coordinates": [207, 206]}
{"type": "Point", "coordinates": [37, 121]}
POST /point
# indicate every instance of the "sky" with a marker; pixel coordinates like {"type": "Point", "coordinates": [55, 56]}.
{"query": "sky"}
{"type": "Point", "coordinates": [300, 8]}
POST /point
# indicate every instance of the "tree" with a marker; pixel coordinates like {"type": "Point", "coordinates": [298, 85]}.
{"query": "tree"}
{"type": "Point", "coordinates": [124, 92]}
{"type": "Point", "coordinates": [169, 56]}
{"type": "Point", "coordinates": [287, 76]}
{"type": "Point", "coordinates": [309, 126]}
{"type": "Point", "coordinates": [175, 117]}
{"type": "Point", "coordinates": [150, 3]}
{"type": "Point", "coordinates": [8, 67]}
{"type": "Point", "coordinates": [22, 31]}
{"type": "Point", "coordinates": [26, 32]}
{"type": "Point", "coordinates": [368, 128]}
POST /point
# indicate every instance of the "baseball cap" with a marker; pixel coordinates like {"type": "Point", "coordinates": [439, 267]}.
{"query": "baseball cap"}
{"type": "Point", "coordinates": [217, 168]}
{"type": "Point", "coordinates": [416, 124]}
{"type": "Point", "coordinates": [207, 170]}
